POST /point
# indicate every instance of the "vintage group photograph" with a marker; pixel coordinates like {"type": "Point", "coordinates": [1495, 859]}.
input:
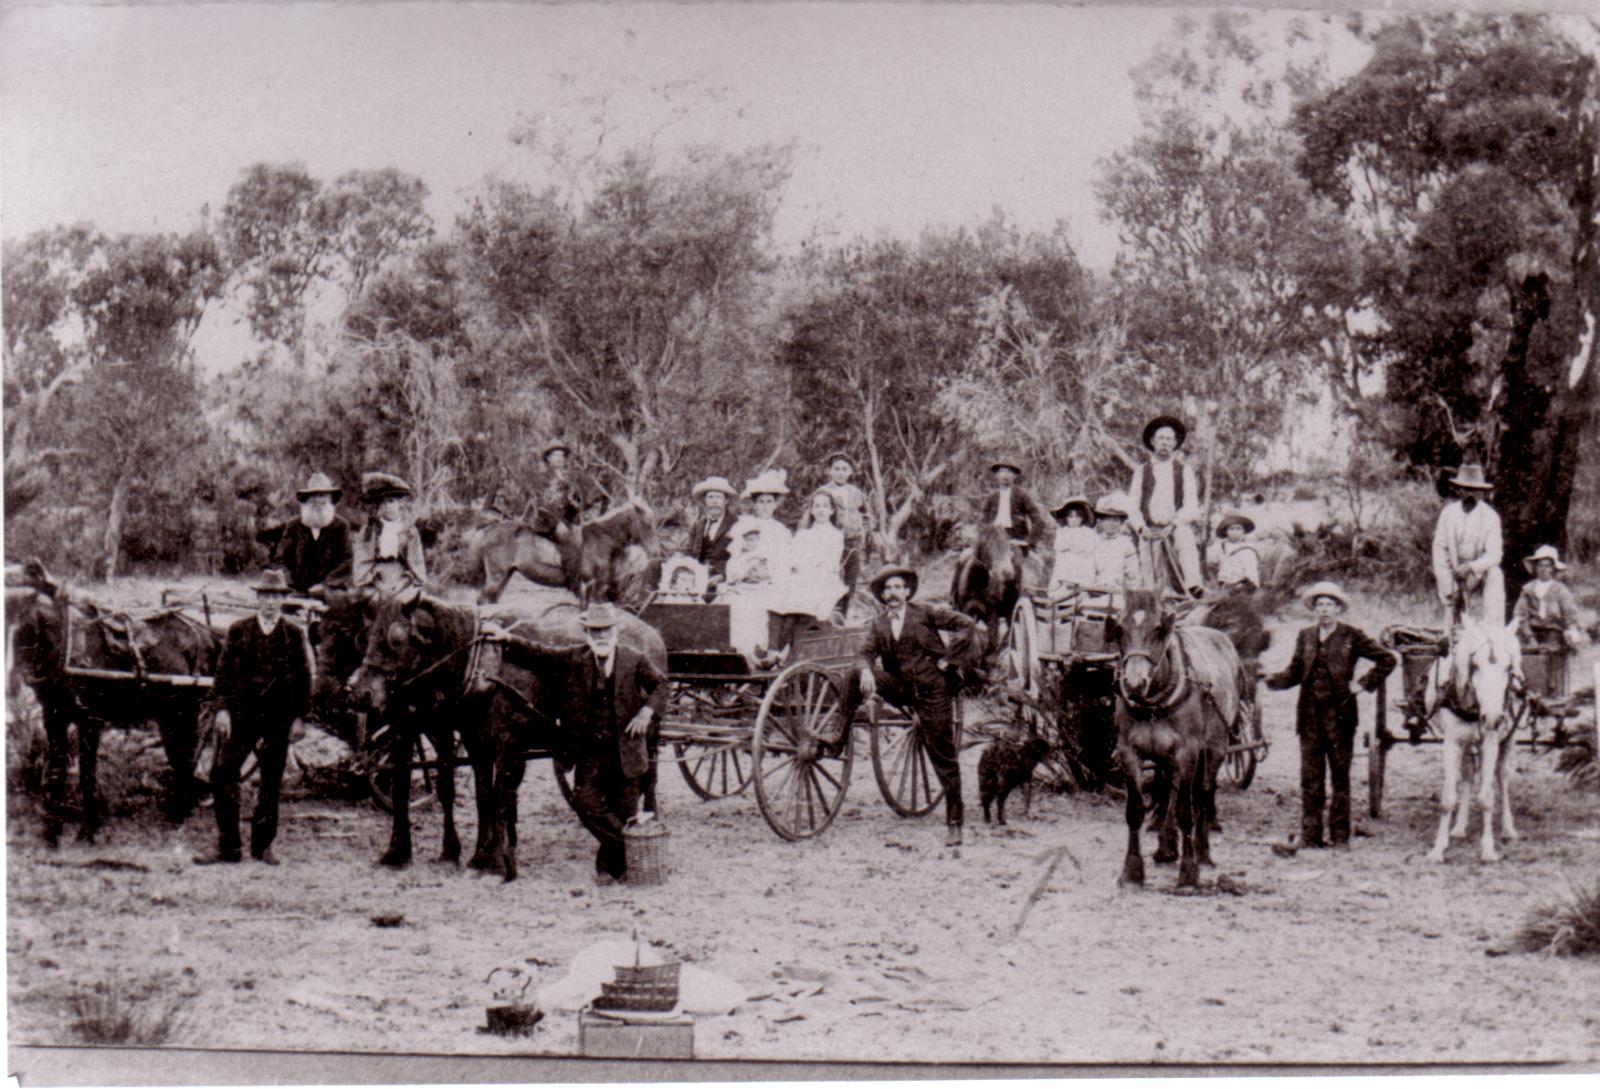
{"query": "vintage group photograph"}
{"type": "Point", "coordinates": [653, 540]}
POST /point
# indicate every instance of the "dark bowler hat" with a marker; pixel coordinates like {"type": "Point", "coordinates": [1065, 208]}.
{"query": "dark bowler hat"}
{"type": "Point", "coordinates": [1470, 475]}
{"type": "Point", "coordinates": [376, 487]}
{"type": "Point", "coordinates": [889, 571]}
{"type": "Point", "coordinates": [1006, 463]}
{"type": "Point", "coordinates": [1235, 519]}
{"type": "Point", "coordinates": [272, 581]}
{"type": "Point", "coordinates": [602, 614]}
{"type": "Point", "coordinates": [1177, 425]}
{"type": "Point", "coordinates": [844, 457]}
{"type": "Point", "coordinates": [319, 484]}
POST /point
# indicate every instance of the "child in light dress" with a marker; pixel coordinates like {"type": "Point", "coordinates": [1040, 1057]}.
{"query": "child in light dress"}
{"type": "Point", "coordinates": [1075, 545]}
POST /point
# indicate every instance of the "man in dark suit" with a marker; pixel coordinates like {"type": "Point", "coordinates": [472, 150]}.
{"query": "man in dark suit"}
{"type": "Point", "coordinates": [263, 683]}
{"type": "Point", "coordinates": [315, 549]}
{"type": "Point", "coordinates": [1013, 508]}
{"type": "Point", "coordinates": [914, 676]}
{"type": "Point", "coordinates": [612, 702]}
{"type": "Point", "coordinates": [1324, 666]}
{"type": "Point", "coordinates": [711, 539]}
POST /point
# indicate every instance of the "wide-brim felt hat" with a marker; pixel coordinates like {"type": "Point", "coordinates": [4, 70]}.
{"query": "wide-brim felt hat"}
{"type": "Point", "coordinates": [1325, 589]}
{"type": "Point", "coordinates": [1080, 501]}
{"type": "Point", "coordinates": [1470, 475]}
{"type": "Point", "coordinates": [1544, 552]}
{"type": "Point", "coordinates": [376, 487]}
{"type": "Point", "coordinates": [713, 484]}
{"type": "Point", "coordinates": [840, 455]}
{"type": "Point", "coordinates": [602, 614]}
{"type": "Point", "coordinates": [552, 447]}
{"type": "Point", "coordinates": [319, 484]}
{"type": "Point", "coordinates": [1235, 519]}
{"type": "Point", "coordinates": [272, 581]}
{"type": "Point", "coordinates": [1006, 462]}
{"type": "Point", "coordinates": [1178, 428]}
{"type": "Point", "coordinates": [1112, 505]}
{"type": "Point", "coordinates": [889, 571]}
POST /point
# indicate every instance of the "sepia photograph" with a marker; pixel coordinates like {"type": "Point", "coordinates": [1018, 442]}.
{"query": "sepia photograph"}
{"type": "Point", "coordinates": [827, 541]}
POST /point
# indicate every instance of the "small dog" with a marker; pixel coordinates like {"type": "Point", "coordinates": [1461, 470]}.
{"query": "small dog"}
{"type": "Point", "coordinates": [1005, 765]}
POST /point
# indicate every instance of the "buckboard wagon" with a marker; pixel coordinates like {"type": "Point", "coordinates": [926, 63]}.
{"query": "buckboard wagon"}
{"type": "Point", "coordinates": [1061, 672]}
{"type": "Point", "coordinates": [1540, 706]}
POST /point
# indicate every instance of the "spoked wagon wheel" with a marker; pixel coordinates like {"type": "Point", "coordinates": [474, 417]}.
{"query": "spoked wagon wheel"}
{"type": "Point", "coordinates": [720, 769]}
{"type": "Point", "coordinates": [423, 781]}
{"type": "Point", "coordinates": [902, 767]}
{"type": "Point", "coordinates": [802, 752]}
{"type": "Point", "coordinates": [1239, 766]}
{"type": "Point", "coordinates": [1378, 753]}
{"type": "Point", "coordinates": [1021, 656]}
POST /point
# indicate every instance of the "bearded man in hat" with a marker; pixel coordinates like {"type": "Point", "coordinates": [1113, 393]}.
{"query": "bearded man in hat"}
{"type": "Point", "coordinates": [315, 549]}
{"type": "Point", "coordinates": [711, 539]}
{"type": "Point", "coordinates": [612, 705]}
{"type": "Point", "coordinates": [387, 556]}
{"type": "Point", "coordinates": [263, 683]}
{"type": "Point", "coordinates": [1323, 666]}
{"type": "Point", "coordinates": [849, 513]}
{"type": "Point", "coordinates": [1166, 502]}
{"type": "Point", "coordinates": [906, 662]}
{"type": "Point", "coordinates": [1467, 549]}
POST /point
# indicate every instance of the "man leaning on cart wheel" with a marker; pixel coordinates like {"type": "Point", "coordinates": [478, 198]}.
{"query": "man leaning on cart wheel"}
{"type": "Point", "coordinates": [914, 677]}
{"type": "Point", "coordinates": [263, 682]}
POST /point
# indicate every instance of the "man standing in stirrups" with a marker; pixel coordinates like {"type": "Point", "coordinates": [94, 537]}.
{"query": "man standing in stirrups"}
{"type": "Point", "coordinates": [263, 682]}
{"type": "Point", "coordinates": [914, 676]}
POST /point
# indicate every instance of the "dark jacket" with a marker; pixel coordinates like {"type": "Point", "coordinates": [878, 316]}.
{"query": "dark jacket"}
{"type": "Point", "coordinates": [1028, 522]}
{"type": "Point", "coordinates": [634, 683]}
{"type": "Point", "coordinates": [915, 656]}
{"type": "Point", "coordinates": [314, 561]}
{"type": "Point", "coordinates": [1345, 645]}
{"type": "Point", "coordinates": [713, 551]}
{"type": "Point", "coordinates": [264, 675]}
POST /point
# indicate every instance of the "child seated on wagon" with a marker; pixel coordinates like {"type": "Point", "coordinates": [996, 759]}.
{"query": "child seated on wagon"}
{"type": "Point", "coordinates": [683, 580]}
{"type": "Point", "coordinates": [1238, 563]}
{"type": "Point", "coordinates": [1075, 545]}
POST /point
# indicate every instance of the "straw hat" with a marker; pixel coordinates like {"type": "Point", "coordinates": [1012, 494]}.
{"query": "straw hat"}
{"type": "Point", "coordinates": [1544, 552]}
{"type": "Point", "coordinates": [1233, 518]}
{"type": "Point", "coordinates": [1325, 589]}
{"type": "Point", "coordinates": [1178, 429]}
{"type": "Point", "coordinates": [889, 571]}
{"type": "Point", "coordinates": [1059, 511]}
{"type": "Point", "coordinates": [1470, 475]}
{"type": "Point", "coordinates": [713, 484]}
{"type": "Point", "coordinates": [1112, 505]}
{"type": "Point", "coordinates": [770, 482]}
{"type": "Point", "coordinates": [319, 484]}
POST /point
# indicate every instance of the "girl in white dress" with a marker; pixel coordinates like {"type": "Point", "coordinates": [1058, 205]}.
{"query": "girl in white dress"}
{"type": "Point", "coordinates": [1075, 546]}
{"type": "Point", "coordinates": [813, 583]}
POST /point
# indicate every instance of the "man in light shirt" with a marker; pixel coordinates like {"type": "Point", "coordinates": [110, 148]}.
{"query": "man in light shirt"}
{"type": "Point", "coordinates": [1467, 549]}
{"type": "Point", "coordinates": [1166, 503]}
{"type": "Point", "coordinates": [1012, 508]}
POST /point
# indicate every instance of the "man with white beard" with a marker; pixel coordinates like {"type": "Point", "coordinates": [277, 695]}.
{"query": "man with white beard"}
{"type": "Point", "coordinates": [314, 551]}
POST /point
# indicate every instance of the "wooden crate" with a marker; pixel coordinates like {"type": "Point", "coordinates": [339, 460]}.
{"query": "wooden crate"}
{"type": "Point", "coordinates": [606, 1038]}
{"type": "Point", "coordinates": [689, 626]}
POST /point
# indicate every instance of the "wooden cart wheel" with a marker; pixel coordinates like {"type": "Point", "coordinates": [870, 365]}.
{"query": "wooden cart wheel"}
{"type": "Point", "coordinates": [720, 769]}
{"type": "Point", "coordinates": [802, 751]}
{"type": "Point", "coordinates": [381, 777]}
{"type": "Point", "coordinates": [1378, 753]}
{"type": "Point", "coordinates": [1239, 767]}
{"type": "Point", "coordinates": [901, 764]}
{"type": "Point", "coordinates": [1022, 648]}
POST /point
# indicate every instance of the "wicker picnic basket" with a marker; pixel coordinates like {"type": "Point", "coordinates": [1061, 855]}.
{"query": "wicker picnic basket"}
{"type": "Point", "coordinates": [645, 845]}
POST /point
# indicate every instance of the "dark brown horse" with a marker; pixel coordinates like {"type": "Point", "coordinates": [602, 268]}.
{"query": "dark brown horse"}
{"type": "Point", "coordinates": [989, 579]}
{"type": "Point", "coordinates": [1178, 694]}
{"type": "Point", "coordinates": [42, 620]}
{"type": "Point", "coordinates": [615, 551]}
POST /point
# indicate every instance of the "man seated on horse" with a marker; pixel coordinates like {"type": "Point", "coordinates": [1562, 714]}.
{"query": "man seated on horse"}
{"type": "Point", "coordinates": [315, 548]}
{"type": "Point", "coordinates": [850, 514]}
{"type": "Point", "coordinates": [387, 556]}
{"type": "Point", "coordinates": [1324, 666]}
{"type": "Point", "coordinates": [906, 662]}
{"type": "Point", "coordinates": [1467, 550]}
{"type": "Point", "coordinates": [263, 683]}
{"type": "Point", "coordinates": [1011, 508]}
{"type": "Point", "coordinates": [612, 703]}
{"type": "Point", "coordinates": [1166, 506]}
{"type": "Point", "coordinates": [558, 504]}
{"type": "Point", "coordinates": [1238, 564]}
{"type": "Point", "coordinates": [711, 539]}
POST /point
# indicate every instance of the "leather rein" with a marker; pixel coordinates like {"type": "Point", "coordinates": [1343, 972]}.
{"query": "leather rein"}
{"type": "Point", "coordinates": [1179, 689]}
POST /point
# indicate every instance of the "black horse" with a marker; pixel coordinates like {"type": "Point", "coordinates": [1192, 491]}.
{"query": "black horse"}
{"type": "Point", "coordinates": [42, 620]}
{"type": "Point", "coordinates": [614, 550]}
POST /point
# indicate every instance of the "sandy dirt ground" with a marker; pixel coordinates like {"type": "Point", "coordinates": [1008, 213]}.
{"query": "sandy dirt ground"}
{"type": "Point", "coordinates": [873, 942]}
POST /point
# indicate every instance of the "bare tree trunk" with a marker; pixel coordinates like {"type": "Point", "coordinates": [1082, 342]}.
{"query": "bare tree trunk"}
{"type": "Point", "coordinates": [112, 542]}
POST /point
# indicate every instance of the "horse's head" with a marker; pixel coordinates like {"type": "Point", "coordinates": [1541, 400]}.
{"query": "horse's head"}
{"type": "Point", "coordinates": [1143, 628]}
{"type": "Point", "coordinates": [341, 642]}
{"type": "Point", "coordinates": [994, 551]}
{"type": "Point", "coordinates": [35, 630]}
{"type": "Point", "coordinates": [403, 633]}
{"type": "Point", "coordinates": [1483, 659]}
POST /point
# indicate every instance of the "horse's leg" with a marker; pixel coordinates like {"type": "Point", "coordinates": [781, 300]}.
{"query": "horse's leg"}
{"type": "Point", "coordinates": [1166, 787]}
{"type": "Point", "coordinates": [1204, 807]}
{"type": "Point", "coordinates": [1452, 784]}
{"type": "Point", "coordinates": [1185, 789]}
{"type": "Point", "coordinates": [1488, 794]}
{"type": "Point", "coordinates": [1133, 864]}
{"type": "Point", "coordinates": [1465, 777]}
{"type": "Point", "coordinates": [1508, 829]}
{"type": "Point", "coordinates": [401, 736]}
{"type": "Point", "coordinates": [484, 753]}
{"type": "Point", "coordinates": [88, 788]}
{"type": "Point", "coordinates": [57, 725]}
{"type": "Point", "coordinates": [444, 746]}
{"type": "Point", "coordinates": [488, 596]}
{"type": "Point", "coordinates": [178, 726]}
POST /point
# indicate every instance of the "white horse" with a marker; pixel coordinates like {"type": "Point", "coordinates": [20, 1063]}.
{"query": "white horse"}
{"type": "Point", "coordinates": [1472, 700]}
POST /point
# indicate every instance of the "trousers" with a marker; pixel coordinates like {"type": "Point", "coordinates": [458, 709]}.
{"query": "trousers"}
{"type": "Point", "coordinates": [932, 704]}
{"type": "Point", "coordinates": [605, 798]}
{"type": "Point", "coordinates": [267, 735]}
{"type": "Point", "coordinates": [1326, 747]}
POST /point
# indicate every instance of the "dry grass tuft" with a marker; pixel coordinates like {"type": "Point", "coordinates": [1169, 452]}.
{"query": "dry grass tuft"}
{"type": "Point", "coordinates": [114, 1013]}
{"type": "Point", "coordinates": [1568, 926]}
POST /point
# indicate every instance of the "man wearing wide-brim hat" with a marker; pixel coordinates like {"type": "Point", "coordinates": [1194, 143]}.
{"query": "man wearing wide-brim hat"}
{"type": "Point", "coordinates": [262, 684]}
{"type": "Point", "coordinates": [1010, 506]}
{"type": "Point", "coordinates": [1166, 503]}
{"type": "Point", "coordinates": [315, 549]}
{"type": "Point", "coordinates": [1546, 613]}
{"type": "Point", "coordinates": [1467, 546]}
{"type": "Point", "coordinates": [906, 662]}
{"type": "Point", "coordinates": [711, 538]}
{"type": "Point", "coordinates": [555, 508]}
{"type": "Point", "coordinates": [387, 557]}
{"type": "Point", "coordinates": [849, 512]}
{"type": "Point", "coordinates": [1323, 666]}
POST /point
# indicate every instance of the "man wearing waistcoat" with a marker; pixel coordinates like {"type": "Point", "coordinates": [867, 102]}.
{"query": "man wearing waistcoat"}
{"type": "Point", "coordinates": [914, 677]}
{"type": "Point", "coordinates": [711, 539]}
{"type": "Point", "coordinates": [1166, 501]}
{"type": "Point", "coordinates": [263, 682]}
{"type": "Point", "coordinates": [1324, 665]}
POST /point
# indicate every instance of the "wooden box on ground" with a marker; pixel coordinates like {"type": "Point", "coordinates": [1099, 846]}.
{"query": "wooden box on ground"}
{"type": "Point", "coordinates": [606, 1038]}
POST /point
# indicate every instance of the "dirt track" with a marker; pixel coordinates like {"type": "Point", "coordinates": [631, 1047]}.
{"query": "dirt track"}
{"type": "Point", "coordinates": [874, 942]}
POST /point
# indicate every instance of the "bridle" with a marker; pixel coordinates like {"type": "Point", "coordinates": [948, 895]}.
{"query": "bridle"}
{"type": "Point", "coordinates": [471, 675]}
{"type": "Point", "coordinates": [1180, 683]}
